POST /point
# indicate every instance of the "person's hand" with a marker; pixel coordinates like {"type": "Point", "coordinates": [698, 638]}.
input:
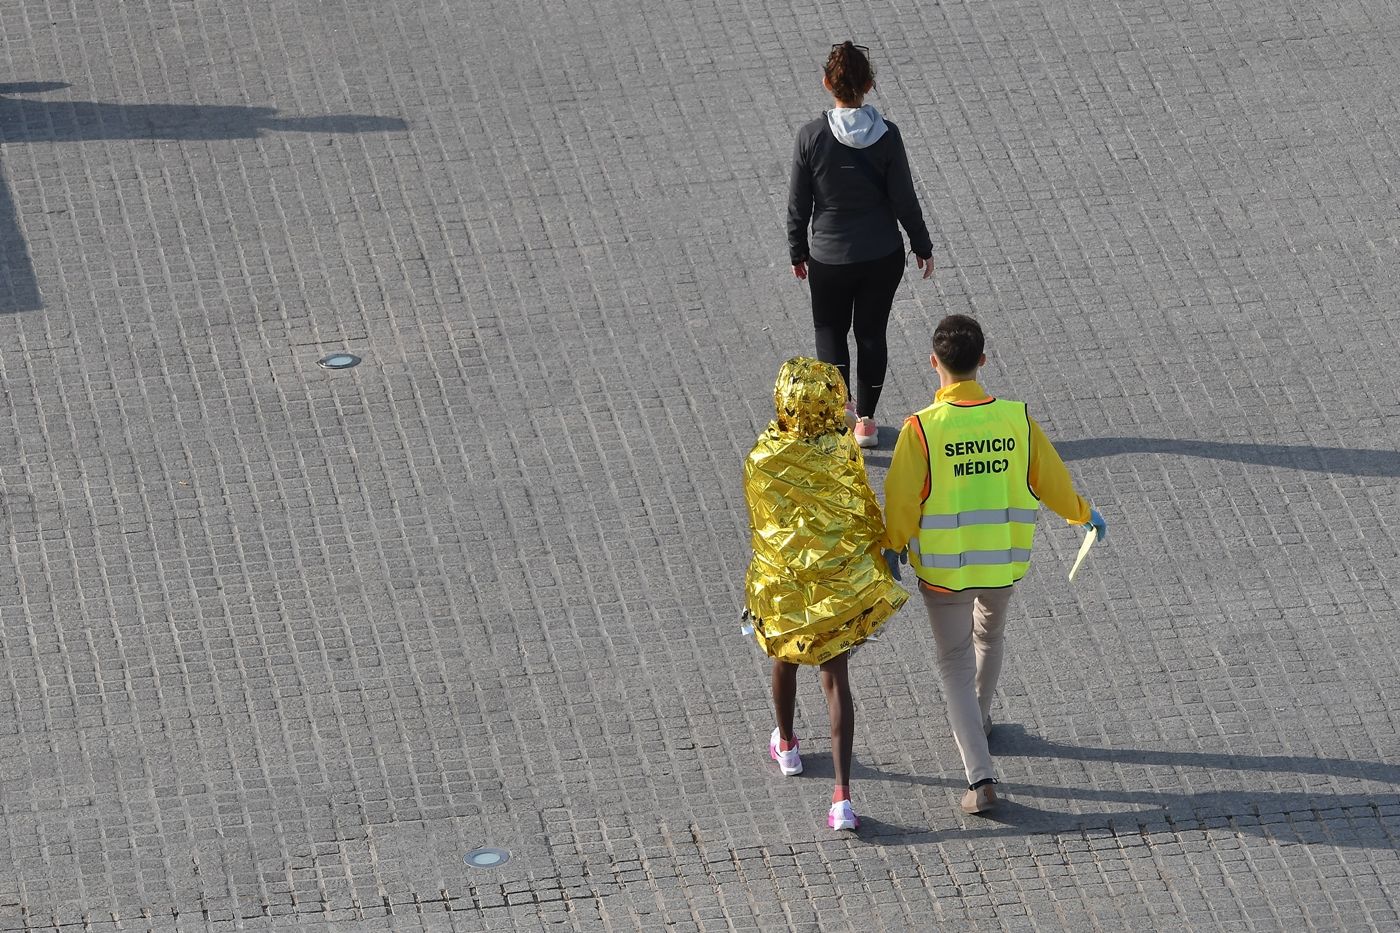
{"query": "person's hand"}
{"type": "Point", "coordinates": [799, 269]}
{"type": "Point", "coordinates": [893, 560]}
{"type": "Point", "coordinates": [926, 265]}
{"type": "Point", "coordinates": [1097, 523]}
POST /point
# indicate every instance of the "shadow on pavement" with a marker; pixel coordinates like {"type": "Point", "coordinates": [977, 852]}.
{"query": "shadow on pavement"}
{"type": "Point", "coordinates": [1316, 459]}
{"type": "Point", "coordinates": [1013, 739]}
{"type": "Point", "coordinates": [874, 830]}
{"type": "Point", "coordinates": [1342, 460]}
{"type": "Point", "coordinates": [23, 120]}
{"type": "Point", "coordinates": [1289, 817]}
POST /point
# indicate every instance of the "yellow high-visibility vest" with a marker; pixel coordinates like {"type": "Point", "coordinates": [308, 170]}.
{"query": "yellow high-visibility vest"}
{"type": "Point", "coordinates": [978, 521]}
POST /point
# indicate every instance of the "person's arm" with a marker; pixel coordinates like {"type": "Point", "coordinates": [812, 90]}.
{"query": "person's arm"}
{"type": "Point", "coordinates": [899, 188]}
{"type": "Point", "coordinates": [799, 213]}
{"type": "Point", "coordinates": [906, 487]}
{"type": "Point", "coordinates": [1050, 480]}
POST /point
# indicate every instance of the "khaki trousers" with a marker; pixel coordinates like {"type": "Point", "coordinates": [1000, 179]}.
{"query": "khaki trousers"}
{"type": "Point", "coordinates": [968, 628]}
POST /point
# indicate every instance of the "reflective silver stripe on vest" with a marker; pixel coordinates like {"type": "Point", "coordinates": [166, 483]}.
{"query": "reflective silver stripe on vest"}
{"type": "Point", "coordinates": [977, 517]}
{"type": "Point", "coordinates": [1015, 555]}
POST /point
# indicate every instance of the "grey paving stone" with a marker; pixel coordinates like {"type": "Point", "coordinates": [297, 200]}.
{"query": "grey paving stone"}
{"type": "Point", "coordinates": [279, 645]}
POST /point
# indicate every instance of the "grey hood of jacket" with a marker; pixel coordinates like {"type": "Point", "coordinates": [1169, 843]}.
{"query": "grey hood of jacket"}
{"type": "Point", "coordinates": [857, 127]}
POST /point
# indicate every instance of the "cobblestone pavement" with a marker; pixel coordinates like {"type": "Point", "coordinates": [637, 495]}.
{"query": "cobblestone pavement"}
{"type": "Point", "coordinates": [279, 645]}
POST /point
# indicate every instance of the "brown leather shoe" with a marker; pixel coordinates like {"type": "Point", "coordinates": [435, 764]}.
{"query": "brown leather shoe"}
{"type": "Point", "coordinates": [979, 799]}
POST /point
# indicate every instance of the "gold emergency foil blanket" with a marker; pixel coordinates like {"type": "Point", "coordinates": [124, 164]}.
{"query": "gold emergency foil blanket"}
{"type": "Point", "coordinates": [817, 585]}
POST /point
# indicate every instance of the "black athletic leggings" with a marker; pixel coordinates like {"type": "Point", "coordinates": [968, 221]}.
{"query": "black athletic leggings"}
{"type": "Point", "coordinates": [859, 293]}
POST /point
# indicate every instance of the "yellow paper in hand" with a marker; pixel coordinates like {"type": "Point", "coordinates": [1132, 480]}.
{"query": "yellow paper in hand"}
{"type": "Point", "coordinates": [1089, 540]}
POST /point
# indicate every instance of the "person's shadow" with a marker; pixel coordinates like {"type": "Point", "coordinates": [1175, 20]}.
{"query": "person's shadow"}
{"type": "Point", "coordinates": [1339, 460]}
{"type": "Point", "coordinates": [26, 120]}
{"type": "Point", "coordinates": [1291, 816]}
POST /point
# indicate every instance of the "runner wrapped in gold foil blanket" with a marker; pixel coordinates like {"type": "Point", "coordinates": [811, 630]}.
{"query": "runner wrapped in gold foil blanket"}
{"type": "Point", "coordinates": [817, 585]}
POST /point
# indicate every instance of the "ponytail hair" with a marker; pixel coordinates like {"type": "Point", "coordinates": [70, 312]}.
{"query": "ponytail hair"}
{"type": "Point", "coordinates": [848, 71]}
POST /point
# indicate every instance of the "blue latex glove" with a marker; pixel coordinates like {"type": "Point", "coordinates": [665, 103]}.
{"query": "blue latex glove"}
{"type": "Point", "coordinates": [894, 560]}
{"type": "Point", "coordinates": [1097, 523]}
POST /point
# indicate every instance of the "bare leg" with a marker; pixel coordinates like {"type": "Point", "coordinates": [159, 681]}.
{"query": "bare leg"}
{"type": "Point", "coordinates": [784, 696]}
{"type": "Point", "coordinates": [841, 707]}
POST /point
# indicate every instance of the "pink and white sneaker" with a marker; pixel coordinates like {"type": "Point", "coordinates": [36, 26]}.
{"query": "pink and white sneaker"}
{"type": "Point", "coordinates": [867, 433]}
{"type": "Point", "coordinates": [842, 816]}
{"type": "Point", "coordinates": [789, 762]}
{"type": "Point", "coordinates": [851, 419]}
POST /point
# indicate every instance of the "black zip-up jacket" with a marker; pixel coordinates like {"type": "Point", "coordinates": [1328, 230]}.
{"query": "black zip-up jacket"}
{"type": "Point", "coordinates": [852, 208]}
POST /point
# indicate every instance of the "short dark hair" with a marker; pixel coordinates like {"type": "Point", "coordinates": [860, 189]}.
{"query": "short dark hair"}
{"type": "Point", "coordinates": [958, 342]}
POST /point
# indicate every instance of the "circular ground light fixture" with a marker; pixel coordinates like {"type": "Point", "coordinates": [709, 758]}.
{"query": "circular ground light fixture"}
{"type": "Point", "coordinates": [487, 858]}
{"type": "Point", "coordinates": [338, 361]}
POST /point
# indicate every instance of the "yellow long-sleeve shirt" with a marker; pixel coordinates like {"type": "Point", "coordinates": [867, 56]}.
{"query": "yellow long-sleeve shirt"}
{"type": "Point", "coordinates": [907, 483]}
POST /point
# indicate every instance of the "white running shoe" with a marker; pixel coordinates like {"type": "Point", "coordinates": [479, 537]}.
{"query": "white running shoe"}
{"type": "Point", "coordinates": [789, 762]}
{"type": "Point", "coordinates": [842, 816]}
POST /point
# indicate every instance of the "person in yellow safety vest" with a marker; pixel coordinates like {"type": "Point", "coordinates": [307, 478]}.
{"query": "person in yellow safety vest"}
{"type": "Point", "coordinates": [966, 480]}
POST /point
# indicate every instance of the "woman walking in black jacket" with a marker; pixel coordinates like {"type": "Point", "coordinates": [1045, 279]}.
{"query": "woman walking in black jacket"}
{"type": "Point", "coordinates": [851, 183]}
